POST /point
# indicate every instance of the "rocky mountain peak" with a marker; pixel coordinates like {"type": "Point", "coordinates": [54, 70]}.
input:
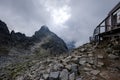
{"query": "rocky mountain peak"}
{"type": "Point", "coordinates": [44, 28]}
{"type": "Point", "coordinates": [44, 31]}
{"type": "Point", "coordinates": [50, 39]}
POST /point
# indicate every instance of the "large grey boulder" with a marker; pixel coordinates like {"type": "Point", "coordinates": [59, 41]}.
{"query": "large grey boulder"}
{"type": "Point", "coordinates": [64, 74]}
{"type": "Point", "coordinates": [72, 76]}
{"type": "Point", "coordinates": [54, 75]}
{"type": "Point", "coordinates": [74, 68]}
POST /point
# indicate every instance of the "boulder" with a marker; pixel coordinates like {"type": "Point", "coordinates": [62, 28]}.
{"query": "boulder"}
{"type": "Point", "coordinates": [45, 76]}
{"type": "Point", "coordinates": [83, 49]}
{"type": "Point", "coordinates": [90, 60]}
{"type": "Point", "coordinates": [74, 68]}
{"type": "Point", "coordinates": [109, 50]}
{"type": "Point", "coordinates": [88, 65]}
{"type": "Point", "coordinates": [100, 56]}
{"type": "Point", "coordinates": [19, 78]}
{"type": "Point", "coordinates": [79, 79]}
{"type": "Point", "coordinates": [69, 57]}
{"type": "Point", "coordinates": [64, 74]}
{"type": "Point", "coordinates": [90, 54]}
{"type": "Point", "coordinates": [95, 72]}
{"type": "Point", "coordinates": [54, 75]}
{"type": "Point", "coordinates": [72, 76]}
{"type": "Point", "coordinates": [87, 69]}
{"type": "Point", "coordinates": [58, 66]}
{"type": "Point", "coordinates": [100, 64]}
{"type": "Point", "coordinates": [48, 70]}
{"type": "Point", "coordinates": [75, 60]}
{"type": "Point", "coordinates": [112, 56]}
{"type": "Point", "coordinates": [68, 67]}
{"type": "Point", "coordinates": [82, 61]}
{"type": "Point", "coordinates": [105, 75]}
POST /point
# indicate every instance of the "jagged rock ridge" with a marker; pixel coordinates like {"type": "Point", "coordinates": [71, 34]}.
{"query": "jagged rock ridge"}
{"type": "Point", "coordinates": [47, 39]}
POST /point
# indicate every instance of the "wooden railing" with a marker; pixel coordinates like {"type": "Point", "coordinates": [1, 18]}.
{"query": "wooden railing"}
{"type": "Point", "coordinates": [99, 29]}
{"type": "Point", "coordinates": [104, 24]}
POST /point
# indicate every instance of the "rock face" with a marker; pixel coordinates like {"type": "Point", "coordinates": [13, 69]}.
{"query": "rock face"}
{"type": "Point", "coordinates": [47, 39]}
{"type": "Point", "coordinates": [5, 39]}
{"type": "Point", "coordinates": [19, 39]}
{"type": "Point", "coordinates": [4, 34]}
{"type": "Point", "coordinates": [3, 28]}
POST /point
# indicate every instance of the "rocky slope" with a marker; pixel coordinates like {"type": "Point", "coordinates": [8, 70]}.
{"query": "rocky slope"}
{"type": "Point", "coordinates": [88, 62]}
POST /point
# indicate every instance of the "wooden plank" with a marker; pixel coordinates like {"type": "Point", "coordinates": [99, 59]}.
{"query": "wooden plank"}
{"type": "Point", "coordinates": [112, 35]}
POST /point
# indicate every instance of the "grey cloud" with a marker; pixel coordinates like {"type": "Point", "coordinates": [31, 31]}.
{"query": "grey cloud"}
{"type": "Point", "coordinates": [86, 15]}
{"type": "Point", "coordinates": [23, 15]}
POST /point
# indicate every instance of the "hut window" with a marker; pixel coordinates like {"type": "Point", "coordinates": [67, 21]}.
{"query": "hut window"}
{"type": "Point", "coordinates": [117, 14]}
{"type": "Point", "coordinates": [108, 24]}
{"type": "Point", "coordinates": [114, 20]}
{"type": "Point", "coordinates": [118, 18]}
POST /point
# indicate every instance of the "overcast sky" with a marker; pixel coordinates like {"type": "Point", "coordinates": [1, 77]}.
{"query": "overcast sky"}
{"type": "Point", "coordinates": [72, 20]}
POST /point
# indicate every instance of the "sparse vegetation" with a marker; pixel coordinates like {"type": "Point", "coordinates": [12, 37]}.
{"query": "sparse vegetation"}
{"type": "Point", "coordinates": [4, 50]}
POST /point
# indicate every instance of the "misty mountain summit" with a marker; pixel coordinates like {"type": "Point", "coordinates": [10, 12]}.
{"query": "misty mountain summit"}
{"type": "Point", "coordinates": [44, 28]}
{"type": "Point", "coordinates": [50, 40]}
{"type": "Point", "coordinates": [42, 32]}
